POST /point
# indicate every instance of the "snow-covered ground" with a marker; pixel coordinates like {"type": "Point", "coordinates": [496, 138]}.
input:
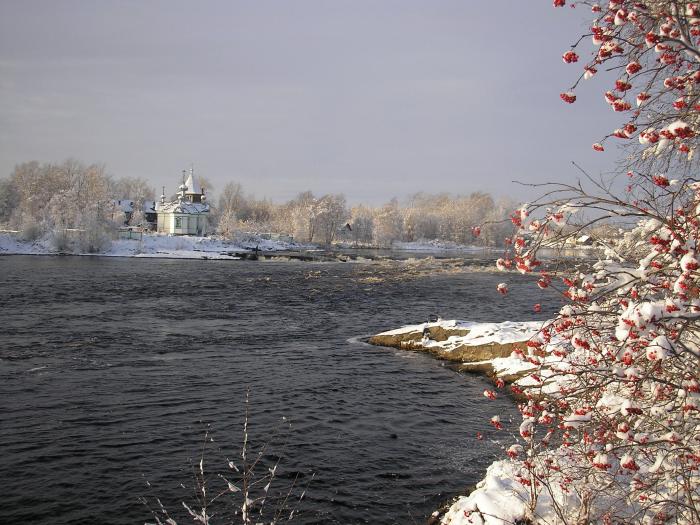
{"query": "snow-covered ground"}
{"type": "Point", "coordinates": [154, 245]}
{"type": "Point", "coordinates": [10, 243]}
{"type": "Point", "coordinates": [499, 499]}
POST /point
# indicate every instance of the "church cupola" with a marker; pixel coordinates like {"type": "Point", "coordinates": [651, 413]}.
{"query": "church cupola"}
{"type": "Point", "coordinates": [193, 193]}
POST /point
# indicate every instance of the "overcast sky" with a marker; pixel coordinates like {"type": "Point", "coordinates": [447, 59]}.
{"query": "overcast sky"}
{"type": "Point", "coordinates": [371, 98]}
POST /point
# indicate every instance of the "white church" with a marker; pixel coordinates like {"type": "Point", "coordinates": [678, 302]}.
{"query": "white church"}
{"type": "Point", "coordinates": [188, 214]}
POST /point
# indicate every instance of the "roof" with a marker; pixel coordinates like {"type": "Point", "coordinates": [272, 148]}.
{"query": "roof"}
{"type": "Point", "coordinates": [127, 205]}
{"type": "Point", "coordinates": [191, 208]}
{"type": "Point", "coordinates": [192, 186]}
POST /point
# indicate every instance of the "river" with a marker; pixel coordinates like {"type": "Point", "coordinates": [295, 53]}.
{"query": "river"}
{"type": "Point", "coordinates": [111, 370]}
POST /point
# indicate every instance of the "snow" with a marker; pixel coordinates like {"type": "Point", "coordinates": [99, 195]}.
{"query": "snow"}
{"type": "Point", "coordinates": [501, 333]}
{"type": "Point", "coordinates": [419, 327]}
{"type": "Point", "coordinates": [499, 499]}
{"type": "Point", "coordinates": [125, 205]}
{"type": "Point", "coordinates": [192, 208]}
{"type": "Point", "coordinates": [503, 496]}
{"type": "Point", "coordinates": [154, 245]}
{"type": "Point", "coordinates": [511, 366]}
{"type": "Point", "coordinates": [10, 243]}
{"type": "Point", "coordinates": [479, 333]}
{"type": "Point", "coordinates": [192, 185]}
{"type": "Point", "coordinates": [497, 495]}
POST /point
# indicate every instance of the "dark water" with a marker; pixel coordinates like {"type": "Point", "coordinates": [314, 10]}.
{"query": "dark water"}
{"type": "Point", "coordinates": [111, 368]}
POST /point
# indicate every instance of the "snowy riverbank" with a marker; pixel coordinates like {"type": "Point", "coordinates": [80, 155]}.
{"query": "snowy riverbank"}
{"type": "Point", "coordinates": [153, 245]}
{"type": "Point", "coordinates": [491, 349]}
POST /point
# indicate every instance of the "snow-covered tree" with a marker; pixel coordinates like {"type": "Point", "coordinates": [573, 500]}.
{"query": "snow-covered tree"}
{"type": "Point", "coordinates": [388, 224]}
{"type": "Point", "coordinates": [331, 216]}
{"type": "Point", "coordinates": [300, 215]}
{"type": "Point", "coordinates": [227, 224]}
{"type": "Point", "coordinates": [362, 224]}
{"type": "Point", "coordinates": [652, 47]}
{"type": "Point", "coordinates": [136, 190]}
{"type": "Point", "coordinates": [56, 197]}
{"type": "Point", "coordinates": [8, 200]}
{"type": "Point", "coordinates": [496, 227]}
{"type": "Point", "coordinates": [611, 417]}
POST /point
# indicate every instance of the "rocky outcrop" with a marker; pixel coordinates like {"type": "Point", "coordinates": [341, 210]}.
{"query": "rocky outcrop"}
{"type": "Point", "coordinates": [411, 339]}
{"type": "Point", "coordinates": [474, 346]}
{"type": "Point", "coordinates": [461, 353]}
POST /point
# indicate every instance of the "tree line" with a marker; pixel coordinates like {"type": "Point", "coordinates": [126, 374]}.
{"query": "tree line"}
{"type": "Point", "coordinates": [41, 199]}
{"type": "Point", "coordinates": [328, 218]}
{"type": "Point", "coordinates": [51, 199]}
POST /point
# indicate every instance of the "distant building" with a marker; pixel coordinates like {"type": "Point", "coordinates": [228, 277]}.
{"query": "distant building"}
{"type": "Point", "coordinates": [122, 210]}
{"type": "Point", "coordinates": [149, 212]}
{"type": "Point", "coordinates": [126, 207]}
{"type": "Point", "coordinates": [188, 214]}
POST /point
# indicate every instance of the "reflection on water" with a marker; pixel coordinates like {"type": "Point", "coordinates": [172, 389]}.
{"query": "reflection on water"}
{"type": "Point", "coordinates": [109, 369]}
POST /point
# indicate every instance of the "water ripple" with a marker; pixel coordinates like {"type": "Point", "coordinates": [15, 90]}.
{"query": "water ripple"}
{"type": "Point", "coordinates": [111, 369]}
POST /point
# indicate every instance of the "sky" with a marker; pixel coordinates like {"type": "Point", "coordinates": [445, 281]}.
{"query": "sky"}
{"type": "Point", "coordinates": [374, 99]}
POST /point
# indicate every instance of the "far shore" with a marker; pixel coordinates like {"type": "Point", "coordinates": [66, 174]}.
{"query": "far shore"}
{"type": "Point", "coordinates": [251, 248]}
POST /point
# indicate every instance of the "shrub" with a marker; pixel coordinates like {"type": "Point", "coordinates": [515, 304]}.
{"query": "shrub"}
{"type": "Point", "coordinates": [61, 241]}
{"type": "Point", "coordinates": [31, 231]}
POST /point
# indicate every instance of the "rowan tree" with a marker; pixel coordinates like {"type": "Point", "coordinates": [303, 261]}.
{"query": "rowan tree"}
{"type": "Point", "coordinates": [611, 422]}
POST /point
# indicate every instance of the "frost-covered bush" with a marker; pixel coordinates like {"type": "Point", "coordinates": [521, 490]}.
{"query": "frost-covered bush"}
{"type": "Point", "coordinates": [228, 225]}
{"type": "Point", "coordinates": [611, 425]}
{"type": "Point", "coordinates": [61, 241]}
{"type": "Point", "coordinates": [31, 231]}
{"type": "Point", "coordinates": [94, 238]}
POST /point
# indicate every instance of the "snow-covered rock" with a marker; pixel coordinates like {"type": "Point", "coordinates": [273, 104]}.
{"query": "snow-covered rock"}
{"type": "Point", "coordinates": [460, 341]}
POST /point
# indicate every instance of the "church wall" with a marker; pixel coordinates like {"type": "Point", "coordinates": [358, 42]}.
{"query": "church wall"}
{"type": "Point", "coordinates": [189, 224]}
